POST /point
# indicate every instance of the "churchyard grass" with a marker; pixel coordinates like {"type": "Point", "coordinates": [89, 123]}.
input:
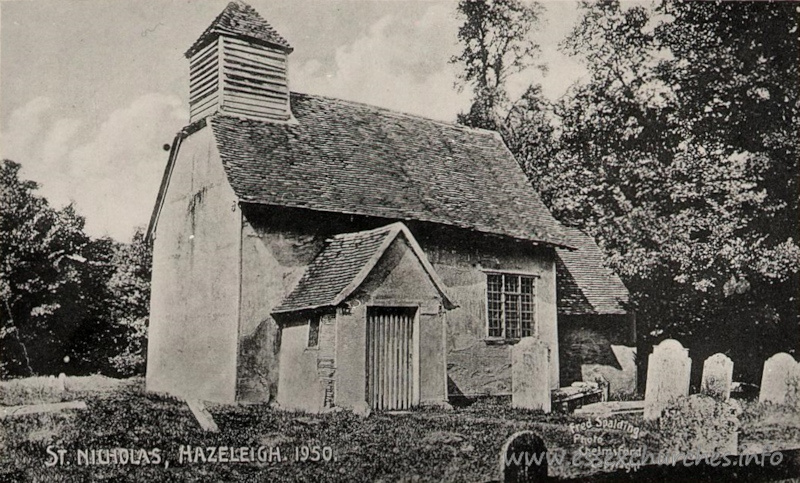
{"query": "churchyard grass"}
{"type": "Point", "coordinates": [428, 444]}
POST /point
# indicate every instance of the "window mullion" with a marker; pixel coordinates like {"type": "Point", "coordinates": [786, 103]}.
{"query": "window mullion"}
{"type": "Point", "coordinates": [519, 305]}
{"type": "Point", "coordinates": [534, 300]}
{"type": "Point", "coordinates": [511, 299]}
{"type": "Point", "coordinates": [503, 306]}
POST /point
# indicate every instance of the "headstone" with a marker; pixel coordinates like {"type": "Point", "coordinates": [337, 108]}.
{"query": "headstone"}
{"type": "Point", "coordinates": [621, 376]}
{"type": "Point", "coordinates": [717, 377]}
{"type": "Point", "coordinates": [668, 372]}
{"type": "Point", "coordinates": [524, 458]}
{"type": "Point", "coordinates": [202, 415]}
{"type": "Point", "coordinates": [780, 379]}
{"type": "Point", "coordinates": [604, 386]}
{"type": "Point", "coordinates": [62, 382]}
{"type": "Point", "coordinates": [530, 375]}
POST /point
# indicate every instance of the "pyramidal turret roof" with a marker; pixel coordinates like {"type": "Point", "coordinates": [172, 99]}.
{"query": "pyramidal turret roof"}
{"type": "Point", "coordinates": [240, 20]}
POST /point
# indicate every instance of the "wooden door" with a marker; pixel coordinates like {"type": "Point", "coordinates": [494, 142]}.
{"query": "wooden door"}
{"type": "Point", "coordinates": [390, 357]}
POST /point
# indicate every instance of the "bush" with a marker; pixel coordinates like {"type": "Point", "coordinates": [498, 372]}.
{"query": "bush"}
{"type": "Point", "coordinates": [700, 424]}
{"type": "Point", "coordinates": [131, 361]}
{"type": "Point", "coordinates": [31, 390]}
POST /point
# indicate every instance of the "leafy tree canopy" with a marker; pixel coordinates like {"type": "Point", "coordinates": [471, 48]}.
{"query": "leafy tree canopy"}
{"type": "Point", "coordinates": [678, 154]}
{"type": "Point", "coordinates": [66, 300]}
{"type": "Point", "coordinates": [496, 36]}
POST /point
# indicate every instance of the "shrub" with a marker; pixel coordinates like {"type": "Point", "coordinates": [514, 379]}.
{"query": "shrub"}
{"type": "Point", "coordinates": [131, 360]}
{"type": "Point", "coordinates": [700, 424]}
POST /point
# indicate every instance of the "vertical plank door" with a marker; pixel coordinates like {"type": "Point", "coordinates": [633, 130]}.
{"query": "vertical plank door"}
{"type": "Point", "coordinates": [390, 374]}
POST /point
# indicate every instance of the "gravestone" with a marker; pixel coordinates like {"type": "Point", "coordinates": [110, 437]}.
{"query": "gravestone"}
{"type": "Point", "coordinates": [62, 382]}
{"type": "Point", "coordinates": [201, 414]}
{"type": "Point", "coordinates": [604, 386]}
{"type": "Point", "coordinates": [668, 371]}
{"type": "Point", "coordinates": [530, 375]}
{"type": "Point", "coordinates": [780, 379]}
{"type": "Point", "coordinates": [717, 377]}
{"type": "Point", "coordinates": [523, 458]}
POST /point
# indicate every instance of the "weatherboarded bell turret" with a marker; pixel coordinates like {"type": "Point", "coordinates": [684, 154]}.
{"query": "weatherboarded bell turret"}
{"type": "Point", "coordinates": [238, 67]}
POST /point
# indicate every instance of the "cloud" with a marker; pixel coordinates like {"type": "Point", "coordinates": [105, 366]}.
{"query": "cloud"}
{"type": "Point", "coordinates": [24, 125]}
{"type": "Point", "coordinates": [112, 174]}
{"type": "Point", "coordinates": [402, 63]}
{"type": "Point", "coordinates": [111, 166]}
{"type": "Point", "coordinates": [122, 165]}
{"type": "Point", "coordinates": [562, 70]}
{"type": "Point", "coordinates": [399, 64]}
{"type": "Point", "coordinates": [33, 138]}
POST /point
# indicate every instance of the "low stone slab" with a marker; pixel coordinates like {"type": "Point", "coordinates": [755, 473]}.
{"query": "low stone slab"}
{"type": "Point", "coordinates": [610, 408]}
{"type": "Point", "coordinates": [579, 394]}
{"type": "Point", "coordinates": [202, 415]}
{"type": "Point", "coordinates": [9, 411]}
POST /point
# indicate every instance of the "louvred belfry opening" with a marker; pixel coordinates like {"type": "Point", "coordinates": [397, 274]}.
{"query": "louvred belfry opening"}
{"type": "Point", "coordinates": [239, 67]}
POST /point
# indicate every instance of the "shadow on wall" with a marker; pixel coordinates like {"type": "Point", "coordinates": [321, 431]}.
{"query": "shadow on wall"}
{"type": "Point", "coordinates": [593, 347]}
{"type": "Point", "coordinates": [258, 363]}
{"type": "Point", "coordinates": [480, 369]}
{"type": "Point", "coordinates": [455, 396]}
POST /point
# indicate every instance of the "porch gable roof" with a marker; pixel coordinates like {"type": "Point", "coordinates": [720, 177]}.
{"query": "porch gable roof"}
{"type": "Point", "coordinates": [345, 262]}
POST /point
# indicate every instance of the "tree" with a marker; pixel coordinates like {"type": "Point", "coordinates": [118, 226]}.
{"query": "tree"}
{"type": "Point", "coordinates": [736, 66]}
{"type": "Point", "coordinates": [496, 36]}
{"type": "Point", "coordinates": [70, 303]}
{"type": "Point", "coordinates": [667, 159]}
{"type": "Point", "coordinates": [735, 70]}
{"type": "Point", "coordinates": [497, 44]}
{"type": "Point", "coordinates": [130, 291]}
{"type": "Point", "coordinates": [528, 131]}
{"type": "Point", "coordinates": [38, 250]}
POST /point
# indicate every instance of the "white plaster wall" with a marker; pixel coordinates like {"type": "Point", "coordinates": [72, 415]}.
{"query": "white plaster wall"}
{"type": "Point", "coordinates": [299, 386]}
{"type": "Point", "coordinates": [476, 366]}
{"type": "Point", "coordinates": [273, 263]}
{"type": "Point", "coordinates": [194, 307]}
{"type": "Point", "coordinates": [351, 339]}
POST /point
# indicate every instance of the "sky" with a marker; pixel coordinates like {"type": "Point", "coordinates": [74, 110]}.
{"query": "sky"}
{"type": "Point", "coordinates": [92, 90]}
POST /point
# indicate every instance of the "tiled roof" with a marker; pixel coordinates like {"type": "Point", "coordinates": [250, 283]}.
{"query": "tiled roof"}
{"type": "Point", "coordinates": [352, 158]}
{"type": "Point", "coordinates": [344, 262]}
{"type": "Point", "coordinates": [340, 261]}
{"type": "Point", "coordinates": [584, 285]}
{"type": "Point", "coordinates": [239, 19]}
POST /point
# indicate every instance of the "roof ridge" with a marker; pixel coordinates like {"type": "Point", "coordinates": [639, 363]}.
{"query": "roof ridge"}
{"type": "Point", "coordinates": [401, 113]}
